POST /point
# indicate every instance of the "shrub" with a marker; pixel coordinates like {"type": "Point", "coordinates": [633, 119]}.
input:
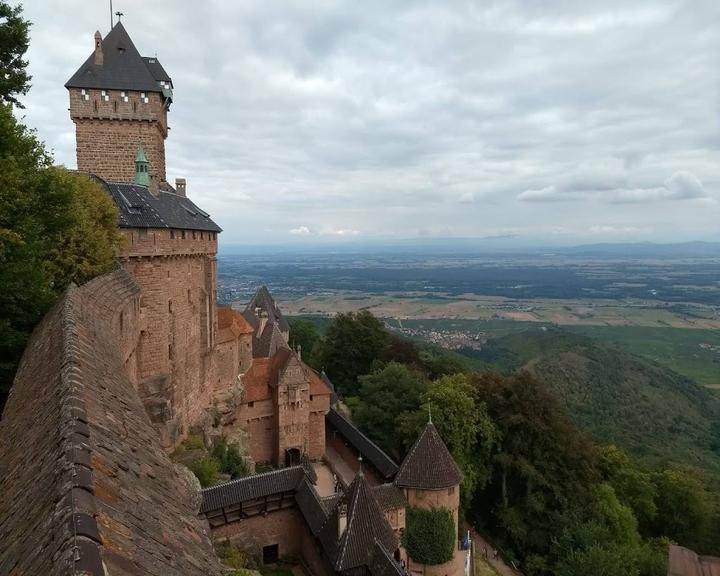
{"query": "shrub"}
{"type": "Point", "coordinates": [206, 470]}
{"type": "Point", "coordinates": [429, 535]}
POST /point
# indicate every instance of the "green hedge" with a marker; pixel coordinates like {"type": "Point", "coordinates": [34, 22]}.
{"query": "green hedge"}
{"type": "Point", "coordinates": [429, 535]}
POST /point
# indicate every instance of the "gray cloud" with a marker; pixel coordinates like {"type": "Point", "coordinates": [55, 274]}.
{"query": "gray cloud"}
{"type": "Point", "coordinates": [370, 119]}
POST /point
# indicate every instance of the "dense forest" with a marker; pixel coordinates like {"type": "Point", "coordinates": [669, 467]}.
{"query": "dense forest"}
{"type": "Point", "coordinates": [553, 498]}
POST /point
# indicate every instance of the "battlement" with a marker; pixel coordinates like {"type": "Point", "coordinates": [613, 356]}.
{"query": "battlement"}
{"type": "Point", "coordinates": [129, 105]}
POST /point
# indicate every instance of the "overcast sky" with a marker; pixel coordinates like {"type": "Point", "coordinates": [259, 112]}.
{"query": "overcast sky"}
{"type": "Point", "coordinates": [558, 121]}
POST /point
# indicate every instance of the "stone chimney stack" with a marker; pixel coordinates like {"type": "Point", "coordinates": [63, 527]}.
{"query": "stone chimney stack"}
{"type": "Point", "coordinates": [180, 187]}
{"type": "Point", "coordinates": [342, 520]}
{"type": "Point", "coordinates": [99, 57]}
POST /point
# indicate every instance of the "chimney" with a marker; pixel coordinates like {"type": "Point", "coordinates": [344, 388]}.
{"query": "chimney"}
{"type": "Point", "coordinates": [180, 186]}
{"type": "Point", "coordinates": [98, 49]}
{"type": "Point", "coordinates": [342, 520]}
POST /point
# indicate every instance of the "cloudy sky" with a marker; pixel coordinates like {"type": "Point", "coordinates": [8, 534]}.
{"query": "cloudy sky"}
{"type": "Point", "coordinates": [558, 121]}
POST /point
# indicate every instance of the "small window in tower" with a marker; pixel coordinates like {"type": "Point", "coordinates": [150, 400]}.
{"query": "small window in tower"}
{"type": "Point", "coordinates": [95, 105]}
{"type": "Point", "coordinates": [84, 93]}
{"type": "Point", "coordinates": [202, 236]}
{"type": "Point", "coordinates": [115, 105]}
{"type": "Point", "coordinates": [170, 351]}
{"type": "Point", "coordinates": [451, 490]}
{"type": "Point", "coordinates": [251, 404]}
{"type": "Point", "coordinates": [124, 96]}
{"type": "Point", "coordinates": [182, 234]}
{"type": "Point", "coordinates": [105, 96]}
{"type": "Point", "coordinates": [134, 106]}
{"type": "Point", "coordinates": [170, 306]}
{"type": "Point", "coordinates": [194, 237]}
{"type": "Point", "coordinates": [172, 234]}
{"type": "Point", "coordinates": [144, 97]}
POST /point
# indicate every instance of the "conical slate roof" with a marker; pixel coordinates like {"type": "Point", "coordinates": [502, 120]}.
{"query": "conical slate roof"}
{"type": "Point", "coordinates": [122, 69]}
{"type": "Point", "coordinates": [428, 465]}
{"type": "Point", "coordinates": [366, 528]}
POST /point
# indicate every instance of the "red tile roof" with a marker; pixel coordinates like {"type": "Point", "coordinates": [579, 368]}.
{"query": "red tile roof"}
{"type": "Point", "coordinates": [231, 324]}
{"type": "Point", "coordinates": [265, 372]}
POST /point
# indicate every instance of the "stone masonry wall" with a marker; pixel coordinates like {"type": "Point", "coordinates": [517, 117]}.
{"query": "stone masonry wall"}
{"type": "Point", "coordinates": [283, 527]}
{"type": "Point", "coordinates": [258, 420]}
{"type": "Point", "coordinates": [108, 131]}
{"type": "Point", "coordinates": [293, 398]}
{"type": "Point", "coordinates": [178, 325]}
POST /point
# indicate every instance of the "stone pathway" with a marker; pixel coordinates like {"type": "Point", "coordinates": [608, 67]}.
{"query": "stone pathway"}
{"type": "Point", "coordinates": [326, 483]}
{"type": "Point", "coordinates": [497, 563]}
{"type": "Point", "coordinates": [344, 472]}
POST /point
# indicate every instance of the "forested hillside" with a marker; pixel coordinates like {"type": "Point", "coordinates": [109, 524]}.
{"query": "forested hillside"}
{"type": "Point", "coordinates": [555, 499]}
{"type": "Point", "coordinates": [618, 397]}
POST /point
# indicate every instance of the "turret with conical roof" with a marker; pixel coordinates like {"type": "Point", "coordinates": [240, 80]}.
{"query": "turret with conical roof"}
{"type": "Point", "coordinates": [431, 479]}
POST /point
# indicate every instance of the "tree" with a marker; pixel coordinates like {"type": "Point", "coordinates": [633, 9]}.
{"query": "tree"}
{"type": "Point", "coordinates": [462, 423]}
{"type": "Point", "coordinates": [56, 228]}
{"type": "Point", "coordinates": [543, 463]}
{"type": "Point", "coordinates": [353, 343]}
{"type": "Point", "coordinates": [384, 398]}
{"type": "Point", "coordinates": [684, 509]}
{"type": "Point", "coordinates": [633, 487]}
{"type": "Point", "coordinates": [14, 78]}
{"type": "Point", "coordinates": [304, 333]}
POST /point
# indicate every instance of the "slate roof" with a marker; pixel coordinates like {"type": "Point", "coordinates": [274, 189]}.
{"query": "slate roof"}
{"type": "Point", "coordinates": [370, 451]}
{"type": "Point", "coordinates": [122, 69]}
{"type": "Point", "coordinates": [366, 525]}
{"type": "Point", "coordinates": [684, 562]}
{"type": "Point", "coordinates": [428, 465]}
{"type": "Point", "coordinates": [85, 485]}
{"type": "Point", "coordinates": [252, 487]}
{"type": "Point", "coordinates": [312, 508]}
{"type": "Point", "coordinates": [264, 300]}
{"type": "Point", "coordinates": [382, 563]}
{"type": "Point", "coordinates": [156, 69]}
{"type": "Point", "coordinates": [389, 497]}
{"type": "Point", "coordinates": [269, 341]}
{"type": "Point", "coordinates": [333, 395]}
{"type": "Point", "coordinates": [139, 208]}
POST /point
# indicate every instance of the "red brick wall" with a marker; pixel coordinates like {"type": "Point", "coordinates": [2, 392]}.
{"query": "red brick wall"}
{"type": "Point", "coordinates": [108, 132]}
{"type": "Point", "coordinates": [293, 409]}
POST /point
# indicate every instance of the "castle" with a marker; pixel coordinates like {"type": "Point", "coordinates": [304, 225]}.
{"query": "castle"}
{"type": "Point", "coordinates": [123, 368]}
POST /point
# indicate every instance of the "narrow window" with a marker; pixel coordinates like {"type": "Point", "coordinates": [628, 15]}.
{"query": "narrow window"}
{"type": "Point", "coordinates": [182, 234]}
{"type": "Point", "coordinates": [172, 234]}
{"type": "Point", "coordinates": [251, 404]}
{"type": "Point", "coordinates": [194, 237]}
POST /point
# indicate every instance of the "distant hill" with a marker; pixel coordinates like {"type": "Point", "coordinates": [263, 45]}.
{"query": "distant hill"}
{"type": "Point", "coordinates": [618, 397]}
{"type": "Point", "coordinates": [647, 250]}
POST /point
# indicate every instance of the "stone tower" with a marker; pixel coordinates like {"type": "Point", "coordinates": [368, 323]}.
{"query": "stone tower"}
{"type": "Point", "coordinates": [431, 479]}
{"type": "Point", "coordinates": [118, 101]}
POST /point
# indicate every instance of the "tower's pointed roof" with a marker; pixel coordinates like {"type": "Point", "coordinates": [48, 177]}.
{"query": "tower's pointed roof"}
{"type": "Point", "coordinates": [366, 528]}
{"type": "Point", "coordinates": [122, 69]}
{"type": "Point", "coordinates": [429, 464]}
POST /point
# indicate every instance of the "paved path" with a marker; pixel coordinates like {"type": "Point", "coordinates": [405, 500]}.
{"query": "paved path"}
{"type": "Point", "coordinates": [498, 563]}
{"type": "Point", "coordinates": [338, 465]}
{"type": "Point", "coordinates": [326, 484]}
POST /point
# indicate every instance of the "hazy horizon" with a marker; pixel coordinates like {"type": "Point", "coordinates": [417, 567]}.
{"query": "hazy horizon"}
{"type": "Point", "coordinates": [560, 123]}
